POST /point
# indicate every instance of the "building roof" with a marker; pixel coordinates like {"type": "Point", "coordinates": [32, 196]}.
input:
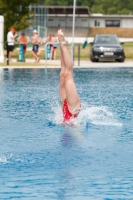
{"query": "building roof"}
{"type": "Point", "coordinates": [68, 10]}
{"type": "Point", "coordinates": [99, 15]}
{"type": "Point", "coordinates": [62, 10]}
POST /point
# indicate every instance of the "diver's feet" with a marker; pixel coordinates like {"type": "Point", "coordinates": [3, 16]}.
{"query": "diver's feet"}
{"type": "Point", "coordinates": [61, 38]}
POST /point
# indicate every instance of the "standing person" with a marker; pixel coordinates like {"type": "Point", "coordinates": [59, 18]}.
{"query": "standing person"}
{"type": "Point", "coordinates": [53, 50]}
{"type": "Point", "coordinates": [23, 40]}
{"type": "Point", "coordinates": [68, 93]}
{"type": "Point", "coordinates": [35, 43]}
{"type": "Point", "coordinates": [39, 43]}
{"type": "Point", "coordinates": [11, 35]}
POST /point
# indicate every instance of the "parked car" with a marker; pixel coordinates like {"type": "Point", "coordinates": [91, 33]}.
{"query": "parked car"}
{"type": "Point", "coordinates": [106, 47]}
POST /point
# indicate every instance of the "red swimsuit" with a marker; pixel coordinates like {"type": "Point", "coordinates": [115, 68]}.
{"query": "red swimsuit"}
{"type": "Point", "coordinates": [66, 113]}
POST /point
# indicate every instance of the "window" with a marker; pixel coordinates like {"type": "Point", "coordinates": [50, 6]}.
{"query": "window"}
{"type": "Point", "coordinates": [112, 23]}
{"type": "Point", "coordinates": [97, 23]}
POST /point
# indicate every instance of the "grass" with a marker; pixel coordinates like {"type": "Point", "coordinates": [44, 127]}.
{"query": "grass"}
{"type": "Point", "coordinates": [84, 53]}
{"type": "Point", "coordinates": [24, 64]}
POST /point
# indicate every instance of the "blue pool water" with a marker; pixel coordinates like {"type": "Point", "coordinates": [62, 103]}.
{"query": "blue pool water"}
{"type": "Point", "coordinates": [41, 158]}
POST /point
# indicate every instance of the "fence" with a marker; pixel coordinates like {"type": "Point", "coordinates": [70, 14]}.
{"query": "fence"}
{"type": "Point", "coordinates": [57, 44]}
{"type": "Point", "coordinates": [47, 52]}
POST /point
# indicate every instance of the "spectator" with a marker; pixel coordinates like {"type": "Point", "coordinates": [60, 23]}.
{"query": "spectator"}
{"type": "Point", "coordinates": [39, 43]}
{"type": "Point", "coordinates": [53, 53]}
{"type": "Point", "coordinates": [35, 42]}
{"type": "Point", "coordinates": [53, 47]}
{"type": "Point", "coordinates": [23, 40]}
{"type": "Point", "coordinates": [11, 35]}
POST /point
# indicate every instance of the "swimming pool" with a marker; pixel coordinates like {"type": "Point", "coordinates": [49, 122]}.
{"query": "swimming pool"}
{"type": "Point", "coordinates": [41, 158]}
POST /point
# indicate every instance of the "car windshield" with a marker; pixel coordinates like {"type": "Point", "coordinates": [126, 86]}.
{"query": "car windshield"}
{"type": "Point", "coordinates": [106, 39]}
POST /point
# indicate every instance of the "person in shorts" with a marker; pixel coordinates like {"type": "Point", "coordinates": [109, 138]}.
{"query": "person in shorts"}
{"type": "Point", "coordinates": [54, 47]}
{"type": "Point", "coordinates": [35, 42]}
{"type": "Point", "coordinates": [11, 35]}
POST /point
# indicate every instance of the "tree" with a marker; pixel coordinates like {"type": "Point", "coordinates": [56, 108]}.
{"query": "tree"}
{"type": "Point", "coordinates": [112, 6]}
{"type": "Point", "coordinates": [65, 3]}
{"type": "Point", "coordinates": [16, 14]}
{"type": "Point", "coordinates": [96, 6]}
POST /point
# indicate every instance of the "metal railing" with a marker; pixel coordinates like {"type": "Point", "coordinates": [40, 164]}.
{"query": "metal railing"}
{"type": "Point", "coordinates": [46, 45]}
{"type": "Point", "coordinates": [46, 48]}
{"type": "Point", "coordinates": [57, 44]}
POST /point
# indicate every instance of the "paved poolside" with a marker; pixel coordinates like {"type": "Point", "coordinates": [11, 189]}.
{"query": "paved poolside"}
{"type": "Point", "coordinates": [89, 64]}
{"type": "Point", "coordinates": [56, 64]}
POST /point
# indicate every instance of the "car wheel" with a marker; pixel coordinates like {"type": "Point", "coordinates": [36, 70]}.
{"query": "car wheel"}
{"type": "Point", "coordinates": [122, 60]}
{"type": "Point", "coordinates": [92, 59]}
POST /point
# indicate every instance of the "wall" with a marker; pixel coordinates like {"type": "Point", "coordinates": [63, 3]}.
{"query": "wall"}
{"type": "Point", "coordinates": [67, 22]}
{"type": "Point", "coordinates": [91, 32]}
{"type": "Point", "coordinates": [127, 23]}
{"type": "Point", "coordinates": [81, 25]}
{"type": "Point", "coordinates": [79, 32]}
{"type": "Point", "coordinates": [120, 32]}
{"type": "Point", "coordinates": [92, 22]}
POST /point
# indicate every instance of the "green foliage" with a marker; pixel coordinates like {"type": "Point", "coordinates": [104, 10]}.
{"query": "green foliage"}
{"type": "Point", "coordinates": [96, 6]}
{"type": "Point", "coordinates": [66, 2]}
{"type": "Point", "coordinates": [16, 14]}
{"type": "Point", "coordinates": [112, 6]}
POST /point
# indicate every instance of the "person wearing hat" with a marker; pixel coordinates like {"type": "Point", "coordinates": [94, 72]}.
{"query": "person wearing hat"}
{"type": "Point", "coordinates": [11, 35]}
{"type": "Point", "coordinates": [35, 42]}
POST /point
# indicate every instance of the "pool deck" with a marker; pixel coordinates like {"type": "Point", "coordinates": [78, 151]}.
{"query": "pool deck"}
{"type": "Point", "coordinates": [56, 64]}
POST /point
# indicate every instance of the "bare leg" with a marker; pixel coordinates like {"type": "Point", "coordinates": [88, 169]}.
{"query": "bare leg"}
{"type": "Point", "coordinates": [35, 56]}
{"type": "Point", "coordinates": [62, 89]}
{"type": "Point", "coordinates": [10, 54]}
{"type": "Point", "coordinates": [39, 51]}
{"type": "Point", "coordinates": [70, 87]}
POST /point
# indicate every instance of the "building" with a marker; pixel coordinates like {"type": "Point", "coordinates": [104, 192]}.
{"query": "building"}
{"type": "Point", "coordinates": [48, 19]}
{"type": "Point", "coordinates": [62, 17]}
{"type": "Point", "coordinates": [122, 25]}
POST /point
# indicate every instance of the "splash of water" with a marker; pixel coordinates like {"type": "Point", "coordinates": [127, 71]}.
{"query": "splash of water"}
{"type": "Point", "coordinates": [97, 115]}
{"type": "Point", "coordinates": [4, 158]}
